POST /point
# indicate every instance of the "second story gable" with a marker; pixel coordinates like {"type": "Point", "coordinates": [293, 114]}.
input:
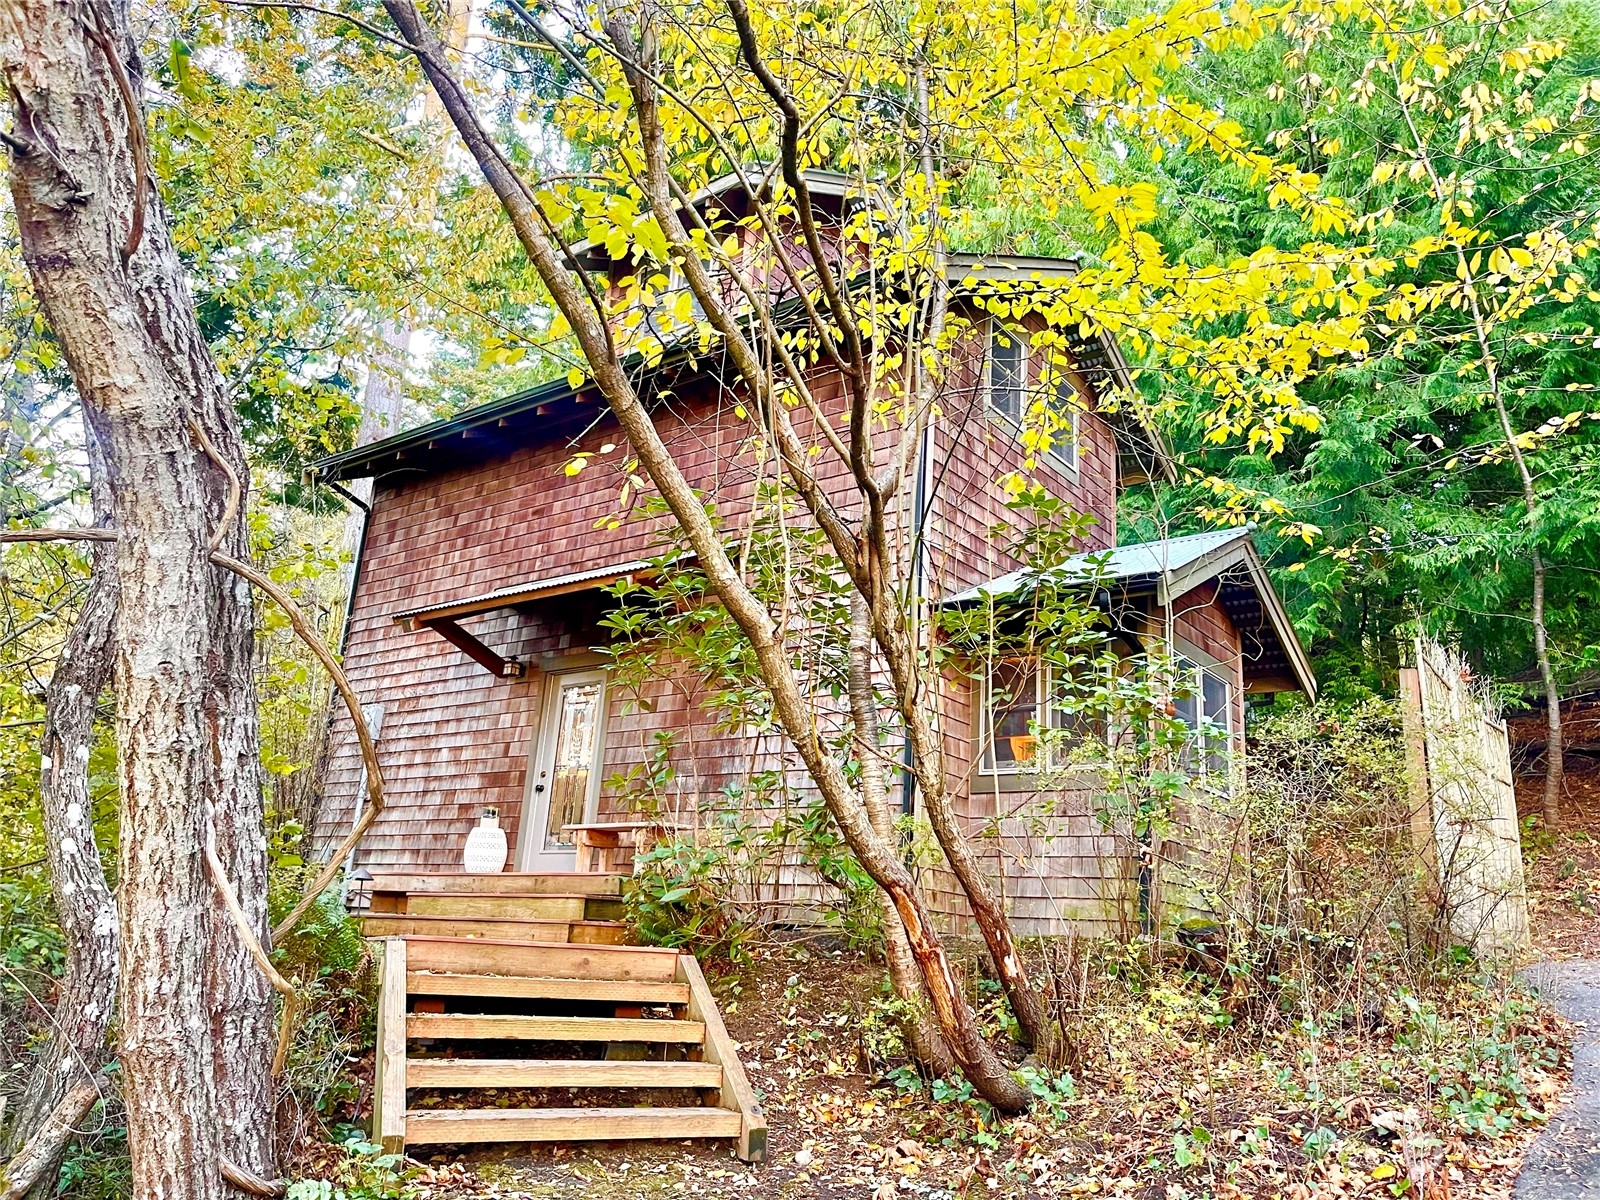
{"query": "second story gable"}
{"type": "Point", "coordinates": [541, 485]}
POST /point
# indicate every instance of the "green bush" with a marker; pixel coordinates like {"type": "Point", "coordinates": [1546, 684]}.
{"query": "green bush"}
{"type": "Point", "coordinates": [676, 901]}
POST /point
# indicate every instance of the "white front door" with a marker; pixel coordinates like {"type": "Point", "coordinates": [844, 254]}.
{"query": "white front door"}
{"type": "Point", "coordinates": [566, 768]}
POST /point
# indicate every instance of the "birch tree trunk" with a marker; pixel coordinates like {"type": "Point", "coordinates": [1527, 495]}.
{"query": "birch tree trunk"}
{"type": "Point", "coordinates": [83, 900]}
{"type": "Point", "coordinates": [195, 1019]}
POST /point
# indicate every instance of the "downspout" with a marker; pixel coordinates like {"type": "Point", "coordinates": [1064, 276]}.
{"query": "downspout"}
{"type": "Point", "coordinates": [919, 591]}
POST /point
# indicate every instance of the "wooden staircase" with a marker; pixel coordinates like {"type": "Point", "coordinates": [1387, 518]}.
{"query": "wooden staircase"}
{"type": "Point", "coordinates": [616, 1041]}
{"type": "Point", "coordinates": [510, 906]}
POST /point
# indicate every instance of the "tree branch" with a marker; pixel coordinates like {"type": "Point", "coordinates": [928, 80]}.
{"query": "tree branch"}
{"type": "Point", "coordinates": [307, 634]}
{"type": "Point", "coordinates": [231, 509]}
{"type": "Point", "coordinates": [369, 749]}
{"type": "Point", "coordinates": [241, 922]}
{"type": "Point", "coordinates": [136, 139]}
{"type": "Point", "coordinates": [45, 1147]}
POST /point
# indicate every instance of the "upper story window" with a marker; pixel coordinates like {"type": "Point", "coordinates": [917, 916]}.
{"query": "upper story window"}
{"type": "Point", "coordinates": [1041, 417]}
{"type": "Point", "coordinates": [1008, 372]}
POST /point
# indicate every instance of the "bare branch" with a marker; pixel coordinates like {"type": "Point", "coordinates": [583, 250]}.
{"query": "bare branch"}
{"type": "Point", "coordinates": [241, 922]}
{"type": "Point", "coordinates": [96, 33]}
{"type": "Point", "coordinates": [58, 535]}
{"type": "Point", "coordinates": [369, 749]}
{"type": "Point", "coordinates": [231, 510]}
{"type": "Point", "coordinates": [250, 1182]}
{"type": "Point", "coordinates": [45, 1147]}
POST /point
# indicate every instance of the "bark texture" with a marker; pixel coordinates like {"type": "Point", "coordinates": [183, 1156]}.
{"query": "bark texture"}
{"type": "Point", "coordinates": [927, 1043]}
{"type": "Point", "coordinates": [83, 900]}
{"type": "Point", "coordinates": [196, 1016]}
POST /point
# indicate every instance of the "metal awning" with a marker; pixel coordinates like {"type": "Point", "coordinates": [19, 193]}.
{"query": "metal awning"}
{"type": "Point", "coordinates": [444, 617]}
{"type": "Point", "coordinates": [1170, 568]}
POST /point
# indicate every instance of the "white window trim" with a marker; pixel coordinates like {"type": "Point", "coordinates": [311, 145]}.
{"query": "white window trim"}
{"type": "Point", "coordinates": [1065, 458]}
{"type": "Point", "coordinates": [988, 764]}
{"type": "Point", "coordinates": [1043, 684]}
{"type": "Point", "coordinates": [1202, 663]}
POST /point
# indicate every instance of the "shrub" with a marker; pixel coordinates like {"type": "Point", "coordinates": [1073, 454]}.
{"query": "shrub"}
{"type": "Point", "coordinates": [677, 901]}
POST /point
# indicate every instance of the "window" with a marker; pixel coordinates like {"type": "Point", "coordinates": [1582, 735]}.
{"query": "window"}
{"type": "Point", "coordinates": [1011, 712]}
{"type": "Point", "coordinates": [1203, 703]}
{"type": "Point", "coordinates": [1051, 423]}
{"type": "Point", "coordinates": [1008, 372]}
{"type": "Point", "coordinates": [1021, 696]}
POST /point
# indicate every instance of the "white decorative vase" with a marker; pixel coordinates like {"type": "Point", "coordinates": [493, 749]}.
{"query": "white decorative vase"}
{"type": "Point", "coordinates": [485, 853]}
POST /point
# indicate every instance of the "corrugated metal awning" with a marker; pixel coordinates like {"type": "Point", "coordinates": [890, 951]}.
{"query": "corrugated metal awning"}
{"type": "Point", "coordinates": [522, 593]}
{"type": "Point", "coordinates": [1170, 568]}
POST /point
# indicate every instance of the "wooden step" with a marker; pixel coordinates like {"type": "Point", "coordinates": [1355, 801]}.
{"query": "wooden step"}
{"type": "Point", "coordinates": [435, 1126]}
{"type": "Point", "coordinates": [609, 933]}
{"type": "Point", "coordinates": [467, 966]}
{"type": "Point", "coordinates": [553, 1029]}
{"type": "Point", "coordinates": [547, 906]}
{"type": "Point", "coordinates": [558, 1073]}
{"type": "Point", "coordinates": [618, 991]}
{"type": "Point", "coordinates": [568, 883]}
{"type": "Point", "coordinates": [522, 906]}
{"type": "Point", "coordinates": [489, 956]}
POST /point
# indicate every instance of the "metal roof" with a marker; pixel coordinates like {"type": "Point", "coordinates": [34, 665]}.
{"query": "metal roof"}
{"type": "Point", "coordinates": [1167, 556]}
{"type": "Point", "coordinates": [1171, 568]}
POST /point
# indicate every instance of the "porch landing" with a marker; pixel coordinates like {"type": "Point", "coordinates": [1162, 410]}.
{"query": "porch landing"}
{"type": "Point", "coordinates": [602, 1041]}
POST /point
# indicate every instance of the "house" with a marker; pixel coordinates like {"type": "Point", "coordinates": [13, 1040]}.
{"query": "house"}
{"type": "Point", "coordinates": [483, 574]}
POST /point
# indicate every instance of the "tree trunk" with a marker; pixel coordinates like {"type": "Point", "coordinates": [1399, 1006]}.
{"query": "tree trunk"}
{"type": "Point", "coordinates": [195, 1018]}
{"type": "Point", "coordinates": [928, 1046]}
{"type": "Point", "coordinates": [1554, 745]}
{"type": "Point", "coordinates": [83, 900]}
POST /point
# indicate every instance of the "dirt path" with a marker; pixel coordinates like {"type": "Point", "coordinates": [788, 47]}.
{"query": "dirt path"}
{"type": "Point", "coordinates": [1564, 1163]}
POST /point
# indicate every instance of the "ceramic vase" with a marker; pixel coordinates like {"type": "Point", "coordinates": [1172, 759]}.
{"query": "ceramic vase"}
{"type": "Point", "coordinates": [485, 852]}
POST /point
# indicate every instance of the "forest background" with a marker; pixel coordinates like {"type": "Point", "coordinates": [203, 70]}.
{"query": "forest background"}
{"type": "Point", "coordinates": [353, 277]}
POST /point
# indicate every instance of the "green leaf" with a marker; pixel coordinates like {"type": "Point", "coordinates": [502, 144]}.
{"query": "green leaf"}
{"type": "Point", "coordinates": [178, 60]}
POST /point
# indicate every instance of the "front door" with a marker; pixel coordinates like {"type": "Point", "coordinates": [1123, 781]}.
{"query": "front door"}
{"type": "Point", "coordinates": [566, 767]}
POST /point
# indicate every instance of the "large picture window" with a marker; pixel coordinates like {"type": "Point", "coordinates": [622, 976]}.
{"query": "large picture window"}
{"type": "Point", "coordinates": [1023, 697]}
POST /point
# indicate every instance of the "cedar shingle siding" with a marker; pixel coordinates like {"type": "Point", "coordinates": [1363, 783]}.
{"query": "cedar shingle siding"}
{"type": "Point", "coordinates": [454, 738]}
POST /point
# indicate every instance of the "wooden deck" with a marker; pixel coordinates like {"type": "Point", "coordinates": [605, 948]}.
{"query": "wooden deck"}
{"type": "Point", "coordinates": [471, 1008]}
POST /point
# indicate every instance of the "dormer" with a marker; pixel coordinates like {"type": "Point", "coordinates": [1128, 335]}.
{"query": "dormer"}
{"type": "Point", "coordinates": [728, 207]}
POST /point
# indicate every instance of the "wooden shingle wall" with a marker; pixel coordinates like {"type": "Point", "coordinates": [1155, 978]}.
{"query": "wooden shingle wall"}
{"type": "Point", "coordinates": [455, 738]}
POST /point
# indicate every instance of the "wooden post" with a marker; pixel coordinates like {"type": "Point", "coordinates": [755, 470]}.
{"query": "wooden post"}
{"type": "Point", "coordinates": [736, 1094]}
{"type": "Point", "coordinates": [389, 1070]}
{"type": "Point", "coordinates": [1424, 846]}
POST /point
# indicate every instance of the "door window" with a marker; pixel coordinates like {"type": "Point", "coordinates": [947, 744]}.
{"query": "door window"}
{"type": "Point", "coordinates": [577, 726]}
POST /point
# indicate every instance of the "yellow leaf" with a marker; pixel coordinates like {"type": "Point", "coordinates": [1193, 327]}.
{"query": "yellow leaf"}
{"type": "Point", "coordinates": [1383, 1171]}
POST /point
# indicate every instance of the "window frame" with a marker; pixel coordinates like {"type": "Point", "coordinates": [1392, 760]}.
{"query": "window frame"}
{"type": "Point", "coordinates": [1199, 756]}
{"type": "Point", "coordinates": [1044, 680]}
{"type": "Point", "coordinates": [1064, 453]}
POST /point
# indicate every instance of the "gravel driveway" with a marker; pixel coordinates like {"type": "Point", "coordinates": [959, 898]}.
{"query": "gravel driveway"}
{"type": "Point", "coordinates": [1564, 1162]}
